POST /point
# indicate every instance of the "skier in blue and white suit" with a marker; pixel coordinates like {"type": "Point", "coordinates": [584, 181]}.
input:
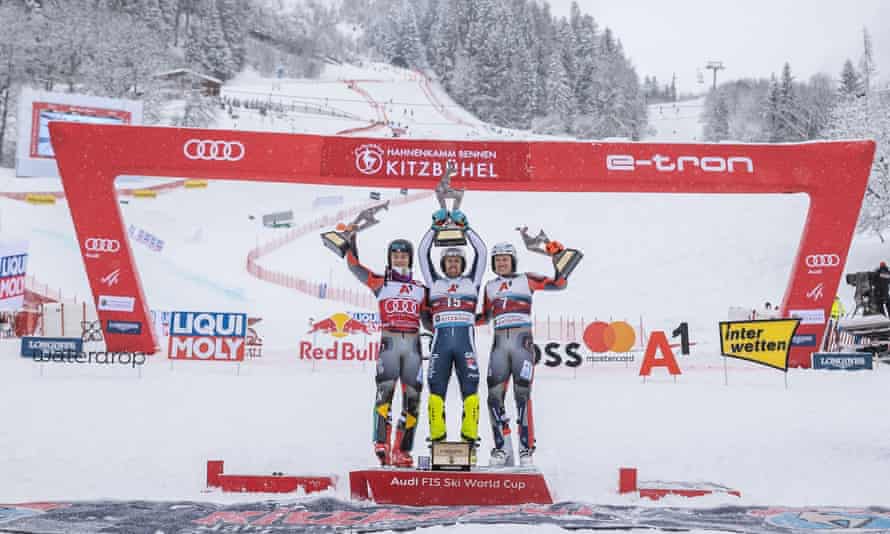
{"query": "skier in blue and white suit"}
{"type": "Point", "coordinates": [452, 299]}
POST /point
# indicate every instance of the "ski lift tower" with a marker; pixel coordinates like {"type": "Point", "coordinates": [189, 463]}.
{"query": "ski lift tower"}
{"type": "Point", "coordinates": [715, 66]}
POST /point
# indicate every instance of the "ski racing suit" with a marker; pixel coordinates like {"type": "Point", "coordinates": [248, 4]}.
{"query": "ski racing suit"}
{"type": "Point", "coordinates": [400, 300]}
{"type": "Point", "coordinates": [508, 302]}
{"type": "Point", "coordinates": [453, 306]}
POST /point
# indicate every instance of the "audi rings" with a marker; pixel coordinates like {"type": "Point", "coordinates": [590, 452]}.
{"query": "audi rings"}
{"type": "Point", "coordinates": [100, 244]}
{"type": "Point", "coordinates": [823, 260]}
{"type": "Point", "coordinates": [213, 150]}
{"type": "Point", "coordinates": [401, 306]}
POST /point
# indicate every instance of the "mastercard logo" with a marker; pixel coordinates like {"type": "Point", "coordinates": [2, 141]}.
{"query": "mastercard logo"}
{"type": "Point", "coordinates": [617, 336]}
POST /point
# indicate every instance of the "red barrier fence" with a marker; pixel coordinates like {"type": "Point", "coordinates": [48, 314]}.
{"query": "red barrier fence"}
{"type": "Point", "coordinates": [359, 298]}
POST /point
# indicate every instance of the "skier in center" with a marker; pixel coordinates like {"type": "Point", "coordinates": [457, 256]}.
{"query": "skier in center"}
{"type": "Point", "coordinates": [508, 302]}
{"type": "Point", "coordinates": [401, 301]}
{"type": "Point", "coordinates": [453, 296]}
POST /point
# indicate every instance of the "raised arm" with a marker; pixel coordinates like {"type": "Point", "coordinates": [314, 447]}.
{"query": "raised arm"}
{"type": "Point", "coordinates": [426, 261]}
{"type": "Point", "coordinates": [366, 276]}
{"type": "Point", "coordinates": [478, 269]}
{"type": "Point", "coordinates": [537, 282]}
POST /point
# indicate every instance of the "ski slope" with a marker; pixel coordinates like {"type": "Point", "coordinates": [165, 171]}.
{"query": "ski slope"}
{"type": "Point", "coordinates": [82, 432]}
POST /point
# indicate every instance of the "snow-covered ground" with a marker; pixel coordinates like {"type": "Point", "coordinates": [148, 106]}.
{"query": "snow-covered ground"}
{"type": "Point", "coordinates": [83, 432]}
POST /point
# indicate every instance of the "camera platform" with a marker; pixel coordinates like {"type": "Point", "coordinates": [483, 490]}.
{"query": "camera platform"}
{"type": "Point", "coordinates": [479, 486]}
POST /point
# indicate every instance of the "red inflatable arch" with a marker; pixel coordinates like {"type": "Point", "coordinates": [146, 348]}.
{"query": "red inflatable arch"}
{"type": "Point", "coordinates": [90, 157]}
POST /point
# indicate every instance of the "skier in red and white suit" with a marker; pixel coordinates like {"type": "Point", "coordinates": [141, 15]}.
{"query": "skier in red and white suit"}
{"type": "Point", "coordinates": [508, 302]}
{"type": "Point", "coordinates": [401, 300]}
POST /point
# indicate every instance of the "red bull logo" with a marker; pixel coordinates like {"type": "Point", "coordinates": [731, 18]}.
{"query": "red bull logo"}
{"type": "Point", "coordinates": [340, 350]}
{"type": "Point", "coordinates": [340, 325]}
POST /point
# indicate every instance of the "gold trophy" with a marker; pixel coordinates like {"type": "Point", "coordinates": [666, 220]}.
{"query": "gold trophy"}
{"type": "Point", "coordinates": [564, 259]}
{"type": "Point", "coordinates": [452, 456]}
{"type": "Point", "coordinates": [449, 234]}
{"type": "Point", "coordinates": [339, 240]}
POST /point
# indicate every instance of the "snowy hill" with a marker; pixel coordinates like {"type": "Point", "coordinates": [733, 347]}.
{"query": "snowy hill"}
{"type": "Point", "coordinates": [85, 432]}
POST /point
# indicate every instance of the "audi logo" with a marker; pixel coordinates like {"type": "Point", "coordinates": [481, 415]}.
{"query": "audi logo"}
{"type": "Point", "coordinates": [400, 306]}
{"type": "Point", "coordinates": [101, 244]}
{"type": "Point", "coordinates": [823, 260]}
{"type": "Point", "coordinates": [213, 150]}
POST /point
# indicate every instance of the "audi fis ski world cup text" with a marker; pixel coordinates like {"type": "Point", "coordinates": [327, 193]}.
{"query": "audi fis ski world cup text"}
{"type": "Point", "coordinates": [661, 163]}
{"type": "Point", "coordinates": [213, 150]}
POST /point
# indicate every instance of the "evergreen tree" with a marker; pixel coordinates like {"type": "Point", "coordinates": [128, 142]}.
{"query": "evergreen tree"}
{"type": "Point", "coordinates": [772, 112]}
{"type": "Point", "coordinates": [445, 38]}
{"type": "Point", "coordinates": [717, 124]}
{"type": "Point", "coordinates": [233, 19]}
{"type": "Point", "coordinates": [206, 49]}
{"type": "Point", "coordinates": [559, 87]}
{"type": "Point", "coordinates": [851, 85]}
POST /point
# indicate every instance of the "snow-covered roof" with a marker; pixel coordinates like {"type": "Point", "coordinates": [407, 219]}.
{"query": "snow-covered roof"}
{"type": "Point", "coordinates": [188, 72]}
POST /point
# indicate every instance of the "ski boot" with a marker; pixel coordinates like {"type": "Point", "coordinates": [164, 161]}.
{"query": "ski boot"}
{"type": "Point", "coordinates": [525, 457]}
{"type": "Point", "coordinates": [383, 453]}
{"type": "Point", "coordinates": [503, 457]}
{"type": "Point", "coordinates": [399, 457]}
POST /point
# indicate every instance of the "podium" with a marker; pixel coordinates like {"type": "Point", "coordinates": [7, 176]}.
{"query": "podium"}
{"type": "Point", "coordinates": [481, 486]}
{"type": "Point", "coordinates": [276, 483]}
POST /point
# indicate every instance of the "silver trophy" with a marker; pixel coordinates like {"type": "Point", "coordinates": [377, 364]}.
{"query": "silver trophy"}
{"type": "Point", "coordinates": [449, 234]}
{"type": "Point", "coordinates": [564, 259]}
{"type": "Point", "coordinates": [339, 239]}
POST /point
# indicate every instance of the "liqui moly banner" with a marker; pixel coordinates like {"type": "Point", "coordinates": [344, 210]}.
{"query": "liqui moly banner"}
{"type": "Point", "coordinates": [13, 265]}
{"type": "Point", "coordinates": [423, 159]}
{"type": "Point", "coordinates": [207, 336]}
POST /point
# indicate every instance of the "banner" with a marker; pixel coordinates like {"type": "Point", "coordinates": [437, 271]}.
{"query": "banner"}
{"type": "Point", "coordinates": [424, 159]}
{"type": "Point", "coordinates": [342, 336]}
{"type": "Point", "coordinates": [92, 156]}
{"type": "Point", "coordinates": [765, 342]}
{"type": "Point", "coordinates": [331, 515]}
{"type": "Point", "coordinates": [13, 267]}
{"type": "Point", "coordinates": [843, 361]}
{"type": "Point", "coordinates": [207, 336]}
{"type": "Point", "coordinates": [40, 346]}
{"type": "Point", "coordinates": [35, 155]}
{"type": "Point", "coordinates": [146, 238]}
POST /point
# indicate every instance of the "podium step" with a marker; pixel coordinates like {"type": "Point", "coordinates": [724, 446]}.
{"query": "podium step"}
{"type": "Point", "coordinates": [481, 486]}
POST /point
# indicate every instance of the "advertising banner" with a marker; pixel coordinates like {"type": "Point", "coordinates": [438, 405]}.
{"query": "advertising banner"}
{"type": "Point", "coordinates": [207, 336]}
{"type": "Point", "coordinates": [765, 342]}
{"type": "Point", "coordinates": [92, 156]}
{"type": "Point", "coordinates": [342, 337]}
{"type": "Point", "coordinates": [13, 267]}
{"type": "Point", "coordinates": [34, 153]}
{"type": "Point", "coordinates": [39, 346]}
{"type": "Point", "coordinates": [424, 159]}
{"type": "Point", "coordinates": [843, 361]}
{"type": "Point", "coordinates": [146, 238]}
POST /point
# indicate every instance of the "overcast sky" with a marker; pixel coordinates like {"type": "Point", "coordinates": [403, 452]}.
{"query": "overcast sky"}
{"type": "Point", "coordinates": [753, 38]}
